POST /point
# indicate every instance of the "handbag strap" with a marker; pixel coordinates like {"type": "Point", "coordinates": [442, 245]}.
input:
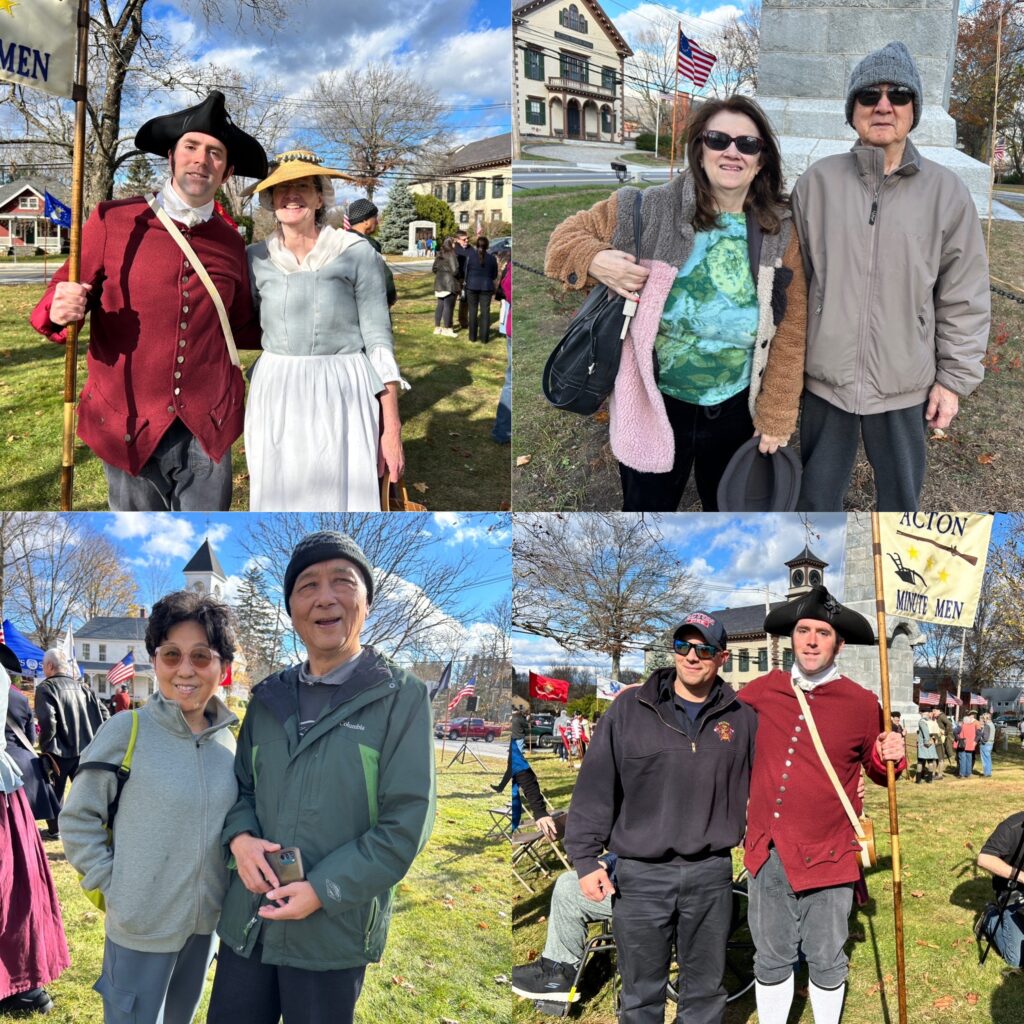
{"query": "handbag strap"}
{"type": "Point", "coordinates": [197, 266]}
{"type": "Point", "coordinates": [121, 771]}
{"type": "Point", "coordinates": [826, 763]}
{"type": "Point", "coordinates": [19, 735]}
{"type": "Point", "coordinates": [637, 226]}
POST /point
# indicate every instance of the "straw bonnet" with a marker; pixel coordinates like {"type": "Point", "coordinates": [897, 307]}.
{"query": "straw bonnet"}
{"type": "Point", "coordinates": [295, 164]}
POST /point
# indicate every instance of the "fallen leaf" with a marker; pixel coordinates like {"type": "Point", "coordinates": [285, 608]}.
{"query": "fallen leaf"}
{"type": "Point", "coordinates": [917, 894]}
{"type": "Point", "coordinates": [939, 435]}
{"type": "Point", "coordinates": [483, 926]}
{"type": "Point", "coordinates": [927, 945]}
{"type": "Point", "coordinates": [476, 888]}
{"type": "Point", "coordinates": [972, 998]}
{"type": "Point", "coordinates": [454, 433]}
{"type": "Point", "coordinates": [601, 416]}
{"type": "Point", "coordinates": [397, 979]}
{"type": "Point", "coordinates": [505, 506]}
{"type": "Point", "coordinates": [986, 459]}
{"type": "Point", "coordinates": [875, 989]}
{"type": "Point", "coordinates": [421, 487]}
{"type": "Point", "coordinates": [523, 460]}
{"type": "Point", "coordinates": [945, 1003]}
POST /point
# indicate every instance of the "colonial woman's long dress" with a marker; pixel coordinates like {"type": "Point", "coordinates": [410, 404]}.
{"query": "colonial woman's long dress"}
{"type": "Point", "coordinates": [33, 950]}
{"type": "Point", "coordinates": [312, 423]}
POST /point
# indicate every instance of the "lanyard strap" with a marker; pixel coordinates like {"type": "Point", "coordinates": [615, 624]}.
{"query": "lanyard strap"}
{"type": "Point", "coordinates": [198, 267]}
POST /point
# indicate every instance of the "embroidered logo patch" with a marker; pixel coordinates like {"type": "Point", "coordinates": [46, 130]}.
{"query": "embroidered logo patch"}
{"type": "Point", "coordinates": [725, 732]}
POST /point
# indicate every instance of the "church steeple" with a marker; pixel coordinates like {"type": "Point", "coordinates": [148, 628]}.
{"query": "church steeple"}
{"type": "Point", "coordinates": [807, 570]}
{"type": "Point", "coordinates": [204, 574]}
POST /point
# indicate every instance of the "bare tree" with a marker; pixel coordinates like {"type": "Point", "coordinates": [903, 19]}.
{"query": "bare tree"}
{"type": "Point", "coordinates": [382, 117]}
{"type": "Point", "coordinates": [651, 71]}
{"type": "Point", "coordinates": [64, 577]}
{"type": "Point", "coordinates": [737, 47]}
{"type": "Point", "coordinates": [597, 582]}
{"type": "Point", "coordinates": [413, 585]}
{"type": "Point", "coordinates": [21, 537]}
{"type": "Point", "coordinates": [128, 61]}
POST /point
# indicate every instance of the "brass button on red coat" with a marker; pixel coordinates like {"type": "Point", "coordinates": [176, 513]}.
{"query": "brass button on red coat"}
{"type": "Point", "coordinates": [170, 409]}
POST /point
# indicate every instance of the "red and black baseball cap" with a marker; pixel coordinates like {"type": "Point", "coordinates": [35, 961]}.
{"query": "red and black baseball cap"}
{"type": "Point", "coordinates": [709, 628]}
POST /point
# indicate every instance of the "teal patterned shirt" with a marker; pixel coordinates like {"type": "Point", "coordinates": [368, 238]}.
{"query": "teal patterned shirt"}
{"type": "Point", "coordinates": [708, 327]}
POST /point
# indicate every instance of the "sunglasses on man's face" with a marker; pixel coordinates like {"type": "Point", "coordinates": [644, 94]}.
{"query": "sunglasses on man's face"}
{"type": "Point", "coordinates": [748, 145]}
{"type": "Point", "coordinates": [704, 651]}
{"type": "Point", "coordinates": [899, 96]}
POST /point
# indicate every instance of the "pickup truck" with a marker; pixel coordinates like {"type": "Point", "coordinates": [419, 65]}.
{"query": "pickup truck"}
{"type": "Point", "coordinates": [477, 728]}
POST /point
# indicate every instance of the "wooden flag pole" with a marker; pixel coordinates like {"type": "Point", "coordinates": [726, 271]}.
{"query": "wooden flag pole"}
{"type": "Point", "coordinates": [992, 144]}
{"type": "Point", "coordinates": [675, 103]}
{"type": "Point", "coordinates": [67, 469]}
{"type": "Point", "coordinates": [890, 775]}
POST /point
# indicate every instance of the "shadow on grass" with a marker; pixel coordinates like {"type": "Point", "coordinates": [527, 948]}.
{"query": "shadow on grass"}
{"type": "Point", "coordinates": [40, 351]}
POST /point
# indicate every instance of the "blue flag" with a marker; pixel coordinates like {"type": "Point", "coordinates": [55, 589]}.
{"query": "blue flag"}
{"type": "Point", "coordinates": [58, 212]}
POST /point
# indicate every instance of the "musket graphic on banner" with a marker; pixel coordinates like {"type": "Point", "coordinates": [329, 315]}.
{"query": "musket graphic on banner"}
{"type": "Point", "coordinates": [37, 51]}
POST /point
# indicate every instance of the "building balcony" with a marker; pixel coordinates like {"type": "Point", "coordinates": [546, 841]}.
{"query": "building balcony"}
{"type": "Point", "coordinates": [583, 88]}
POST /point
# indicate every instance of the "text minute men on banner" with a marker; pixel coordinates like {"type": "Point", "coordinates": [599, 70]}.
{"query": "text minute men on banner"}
{"type": "Point", "coordinates": [37, 44]}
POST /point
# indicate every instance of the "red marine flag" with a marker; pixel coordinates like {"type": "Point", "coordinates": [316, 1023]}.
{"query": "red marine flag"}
{"type": "Point", "coordinates": [547, 688]}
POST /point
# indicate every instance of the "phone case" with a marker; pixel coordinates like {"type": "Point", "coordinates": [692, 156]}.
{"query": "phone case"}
{"type": "Point", "coordinates": [287, 864]}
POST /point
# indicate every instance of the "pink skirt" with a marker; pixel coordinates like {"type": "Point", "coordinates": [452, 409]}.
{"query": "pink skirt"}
{"type": "Point", "coordinates": [33, 950]}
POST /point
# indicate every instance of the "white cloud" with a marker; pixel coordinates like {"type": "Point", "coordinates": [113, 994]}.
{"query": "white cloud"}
{"type": "Point", "coordinates": [701, 25]}
{"type": "Point", "coordinates": [159, 536]}
{"type": "Point", "coordinates": [218, 532]}
{"type": "Point", "coordinates": [539, 654]}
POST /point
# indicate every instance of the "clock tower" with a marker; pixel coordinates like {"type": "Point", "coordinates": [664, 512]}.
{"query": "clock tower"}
{"type": "Point", "coordinates": [807, 570]}
{"type": "Point", "coordinates": [203, 573]}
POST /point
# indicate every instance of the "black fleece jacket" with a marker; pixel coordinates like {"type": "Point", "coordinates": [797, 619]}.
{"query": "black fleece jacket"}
{"type": "Point", "coordinates": [650, 792]}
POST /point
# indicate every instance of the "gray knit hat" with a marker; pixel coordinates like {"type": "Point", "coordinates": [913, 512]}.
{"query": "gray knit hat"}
{"type": "Point", "coordinates": [360, 210]}
{"type": "Point", "coordinates": [322, 547]}
{"type": "Point", "coordinates": [891, 64]}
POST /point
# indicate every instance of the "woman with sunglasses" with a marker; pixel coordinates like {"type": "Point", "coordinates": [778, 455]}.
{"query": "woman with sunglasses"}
{"type": "Point", "coordinates": [164, 876]}
{"type": "Point", "coordinates": [715, 352]}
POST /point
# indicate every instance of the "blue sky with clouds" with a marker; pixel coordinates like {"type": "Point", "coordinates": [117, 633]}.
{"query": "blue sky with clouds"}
{"type": "Point", "coordinates": [167, 540]}
{"type": "Point", "coordinates": [734, 557]}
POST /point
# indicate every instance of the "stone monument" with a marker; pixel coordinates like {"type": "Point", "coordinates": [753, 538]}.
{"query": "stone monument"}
{"type": "Point", "coordinates": [861, 663]}
{"type": "Point", "coordinates": [808, 49]}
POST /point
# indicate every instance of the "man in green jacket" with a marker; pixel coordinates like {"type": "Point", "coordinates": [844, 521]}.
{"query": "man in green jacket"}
{"type": "Point", "coordinates": [336, 759]}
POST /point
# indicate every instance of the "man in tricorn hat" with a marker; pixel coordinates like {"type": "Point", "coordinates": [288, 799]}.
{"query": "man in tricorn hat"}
{"type": "Point", "coordinates": [800, 846]}
{"type": "Point", "coordinates": [163, 401]}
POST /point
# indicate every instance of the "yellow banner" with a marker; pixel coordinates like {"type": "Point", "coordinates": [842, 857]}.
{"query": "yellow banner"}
{"type": "Point", "coordinates": [933, 564]}
{"type": "Point", "coordinates": [37, 44]}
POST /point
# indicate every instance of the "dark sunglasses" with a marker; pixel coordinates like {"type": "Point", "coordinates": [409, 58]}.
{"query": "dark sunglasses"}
{"type": "Point", "coordinates": [704, 651]}
{"type": "Point", "coordinates": [748, 145]}
{"type": "Point", "coordinates": [200, 657]}
{"type": "Point", "coordinates": [899, 96]}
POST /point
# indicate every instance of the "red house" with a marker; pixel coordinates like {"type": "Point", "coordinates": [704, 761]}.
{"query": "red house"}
{"type": "Point", "coordinates": [23, 223]}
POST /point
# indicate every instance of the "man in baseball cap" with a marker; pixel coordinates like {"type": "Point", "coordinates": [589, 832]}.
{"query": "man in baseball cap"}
{"type": "Point", "coordinates": [800, 847]}
{"type": "Point", "coordinates": [899, 294]}
{"type": "Point", "coordinates": [665, 785]}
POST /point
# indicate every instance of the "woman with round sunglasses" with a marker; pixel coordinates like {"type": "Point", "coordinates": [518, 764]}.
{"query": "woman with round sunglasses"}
{"type": "Point", "coordinates": [163, 875]}
{"type": "Point", "coordinates": [715, 351]}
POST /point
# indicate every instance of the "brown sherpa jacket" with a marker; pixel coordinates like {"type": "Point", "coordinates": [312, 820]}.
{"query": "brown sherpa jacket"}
{"type": "Point", "coordinates": [640, 432]}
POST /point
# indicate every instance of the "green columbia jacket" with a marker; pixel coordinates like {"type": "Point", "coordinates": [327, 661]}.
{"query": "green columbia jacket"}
{"type": "Point", "coordinates": [355, 795]}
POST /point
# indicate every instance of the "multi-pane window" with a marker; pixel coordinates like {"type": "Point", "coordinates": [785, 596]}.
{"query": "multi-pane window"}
{"type": "Point", "coordinates": [608, 78]}
{"type": "Point", "coordinates": [464, 217]}
{"type": "Point", "coordinates": [533, 61]}
{"type": "Point", "coordinates": [534, 111]}
{"type": "Point", "coordinates": [762, 660]}
{"type": "Point", "coordinates": [437, 191]}
{"type": "Point", "coordinates": [570, 17]}
{"type": "Point", "coordinates": [573, 68]}
{"type": "Point", "coordinates": [103, 652]}
{"type": "Point", "coordinates": [607, 121]}
{"type": "Point", "coordinates": [28, 203]}
{"type": "Point", "coordinates": [463, 191]}
{"type": "Point", "coordinates": [787, 660]}
{"type": "Point", "coordinates": [481, 188]}
{"type": "Point", "coordinates": [744, 660]}
{"type": "Point", "coordinates": [497, 187]}
{"type": "Point", "coordinates": [451, 191]}
{"type": "Point", "coordinates": [85, 651]}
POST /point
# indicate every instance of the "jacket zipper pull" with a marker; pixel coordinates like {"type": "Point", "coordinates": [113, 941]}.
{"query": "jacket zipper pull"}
{"type": "Point", "coordinates": [874, 209]}
{"type": "Point", "coordinates": [693, 745]}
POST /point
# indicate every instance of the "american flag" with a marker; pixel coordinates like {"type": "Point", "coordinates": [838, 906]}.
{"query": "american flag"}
{"type": "Point", "coordinates": [3, 640]}
{"type": "Point", "coordinates": [977, 701]}
{"type": "Point", "coordinates": [467, 691]}
{"type": "Point", "coordinates": [953, 702]}
{"type": "Point", "coordinates": [930, 699]}
{"type": "Point", "coordinates": [694, 63]}
{"type": "Point", "coordinates": [999, 153]}
{"type": "Point", "coordinates": [122, 671]}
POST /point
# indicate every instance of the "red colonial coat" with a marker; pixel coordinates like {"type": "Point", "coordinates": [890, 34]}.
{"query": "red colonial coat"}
{"type": "Point", "coordinates": [793, 804]}
{"type": "Point", "coordinates": [156, 349]}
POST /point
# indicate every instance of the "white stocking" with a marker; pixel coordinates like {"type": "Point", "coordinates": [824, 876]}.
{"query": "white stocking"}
{"type": "Point", "coordinates": [774, 1001]}
{"type": "Point", "coordinates": [827, 1003]}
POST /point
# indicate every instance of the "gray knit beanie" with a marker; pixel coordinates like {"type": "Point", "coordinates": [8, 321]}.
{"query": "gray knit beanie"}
{"type": "Point", "coordinates": [322, 547]}
{"type": "Point", "coordinates": [891, 64]}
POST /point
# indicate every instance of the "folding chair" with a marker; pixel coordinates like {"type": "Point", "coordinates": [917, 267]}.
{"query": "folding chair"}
{"type": "Point", "coordinates": [501, 823]}
{"type": "Point", "coordinates": [529, 845]}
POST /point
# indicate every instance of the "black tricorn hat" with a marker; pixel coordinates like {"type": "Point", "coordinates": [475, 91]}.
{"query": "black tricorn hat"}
{"type": "Point", "coordinates": [9, 660]}
{"type": "Point", "coordinates": [753, 482]}
{"type": "Point", "coordinates": [820, 604]}
{"type": "Point", "coordinates": [160, 135]}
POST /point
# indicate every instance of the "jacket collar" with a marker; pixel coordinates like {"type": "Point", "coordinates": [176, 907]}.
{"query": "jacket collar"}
{"type": "Point", "coordinates": [659, 689]}
{"type": "Point", "coordinates": [168, 715]}
{"type": "Point", "coordinates": [871, 160]}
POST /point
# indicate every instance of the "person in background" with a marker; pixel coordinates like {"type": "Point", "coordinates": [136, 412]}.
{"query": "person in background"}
{"type": "Point", "coordinates": [163, 876]}
{"type": "Point", "coordinates": [69, 715]}
{"type": "Point", "coordinates": [364, 219]}
{"type": "Point", "coordinates": [481, 276]}
{"type": "Point", "coordinates": [966, 745]}
{"type": "Point", "coordinates": [446, 287]}
{"type": "Point", "coordinates": [927, 753]}
{"type": "Point", "coordinates": [33, 949]}
{"type": "Point", "coordinates": [122, 700]}
{"type": "Point", "coordinates": [501, 432]}
{"type": "Point", "coordinates": [1002, 856]}
{"type": "Point", "coordinates": [20, 733]}
{"type": "Point", "coordinates": [986, 742]}
{"type": "Point", "coordinates": [462, 250]}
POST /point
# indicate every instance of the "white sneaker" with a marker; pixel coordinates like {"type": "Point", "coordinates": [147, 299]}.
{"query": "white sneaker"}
{"type": "Point", "coordinates": [448, 332]}
{"type": "Point", "coordinates": [439, 330]}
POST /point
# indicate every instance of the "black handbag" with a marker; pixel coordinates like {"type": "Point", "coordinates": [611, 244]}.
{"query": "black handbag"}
{"type": "Point", "coordinates": [580, 372]}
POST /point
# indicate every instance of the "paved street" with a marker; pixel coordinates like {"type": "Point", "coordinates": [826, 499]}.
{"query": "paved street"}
{"type": "Point", "coordinates": [493, 754]}
{"type": "Point", "coordinates": [27, 273]}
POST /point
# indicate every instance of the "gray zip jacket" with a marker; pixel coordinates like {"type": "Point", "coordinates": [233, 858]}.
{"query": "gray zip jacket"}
{"type": "Point", "coordinates": [165, 877]}
{"type": "Point", "coordinates": [897, 278]}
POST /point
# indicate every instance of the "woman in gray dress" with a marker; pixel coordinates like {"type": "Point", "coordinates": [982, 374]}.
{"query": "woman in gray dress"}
{"type": "Point", "coordinates": [322, 421]}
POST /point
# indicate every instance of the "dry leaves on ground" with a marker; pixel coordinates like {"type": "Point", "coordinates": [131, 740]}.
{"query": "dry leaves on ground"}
{"type": "Point", "coordinates": [523, 460]}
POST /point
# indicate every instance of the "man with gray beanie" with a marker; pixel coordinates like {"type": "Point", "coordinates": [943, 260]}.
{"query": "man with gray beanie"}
{"type": "Point", "coordinates": [363, 219]}
{"type": "Point", "coordinates": [335, 770]}
{"type": "Point", "coordinates": [898, 310]}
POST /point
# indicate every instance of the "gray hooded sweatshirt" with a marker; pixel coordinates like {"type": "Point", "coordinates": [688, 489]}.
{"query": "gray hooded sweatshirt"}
{"type": "Point", "coordinates": [165, 877]}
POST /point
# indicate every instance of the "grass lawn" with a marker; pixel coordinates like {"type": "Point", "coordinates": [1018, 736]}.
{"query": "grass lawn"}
{"type": "Point", "coordinates": [978, 464]}
{"type": "Point", "coordinates": [446, 417]}
{"type": "Point", "coordinates": [639, 156]}
{"type": "Point", "coordinates": [942, 827]}
{"type": "Point", "coordinates": [449, 947]}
